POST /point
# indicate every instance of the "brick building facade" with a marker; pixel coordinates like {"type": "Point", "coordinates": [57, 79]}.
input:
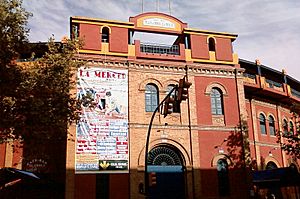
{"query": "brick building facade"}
{"type": "Point", "coordinates": [212, 143]}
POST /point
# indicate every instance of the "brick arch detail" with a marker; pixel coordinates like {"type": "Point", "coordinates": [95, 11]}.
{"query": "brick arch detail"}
{"type": "Point", "coordinates": [271, 114]}
{"type": "Point", "coordinates": [168, 82]}
{"type": "Point", "coordinates": [143, 84]}
{"type": "Point", "coordinates": [216, 85]}
{"type": "Point", "coordinates": [261, 112]}
{"type": "Point", "coordinates": [271, 159]}
{"type": "Point", "coordinates": [185, 155]}
{"type": "Point", "coordinates": [221, 156]}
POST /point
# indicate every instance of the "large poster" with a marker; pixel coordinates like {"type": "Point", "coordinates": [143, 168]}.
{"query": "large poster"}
{"type": "Point", "coordinates": [102, 132]}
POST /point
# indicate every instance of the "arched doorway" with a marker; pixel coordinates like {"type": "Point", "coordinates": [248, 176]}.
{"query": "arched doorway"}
{"type": "Point", "coordinates": [271, 165]}
{"type": "Point", "coordinates": [168, 164]}
{"type": "Point", "coordinates": [223, 177]}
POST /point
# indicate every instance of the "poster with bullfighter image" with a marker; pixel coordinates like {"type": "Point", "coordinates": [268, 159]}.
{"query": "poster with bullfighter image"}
{"type": "Point", "coordinates": [102, 131]}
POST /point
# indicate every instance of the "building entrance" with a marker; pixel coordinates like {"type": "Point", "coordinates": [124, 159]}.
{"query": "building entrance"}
{"type": "Point", "coordinates": [167, 163]}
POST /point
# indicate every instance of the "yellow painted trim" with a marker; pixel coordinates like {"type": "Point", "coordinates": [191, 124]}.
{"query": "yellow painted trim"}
{"type": "Point", "coordinates": [77, 18]}
{"type": "Point", "coordinates": [192, 30]}
{"type": "Point", "coordinates": [131, 50]}
{"type": "Point", "coordinates": [9, 155]}
{"type": "Point", "coordinates": [105, 51]}
{"type": "Point", "coordinates": [188, 57]}
{"type": "Point", "coordinates": [105, 47]}
{"type": "Point", "coordinates": [212, 56]}
{"type": "Point", "coordinates": [140, 24]}
{"type": "Point", "coordinates": [100, 24]}
{"type": "Point", "coordinates": [98, 52]}
{"type": "Point", "coordinates": [289, 91]}
{"type": "Point", "coordinates": [262, 81]}
{"type": "Point", "coordinates": [211, 34]}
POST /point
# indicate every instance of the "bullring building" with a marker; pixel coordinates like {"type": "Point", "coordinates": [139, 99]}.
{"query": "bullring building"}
{"type": "Point", "coordinates": [219, 143]}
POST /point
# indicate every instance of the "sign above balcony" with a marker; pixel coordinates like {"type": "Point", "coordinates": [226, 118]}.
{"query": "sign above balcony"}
{"type": "Point", "coordinates": [158, 22]}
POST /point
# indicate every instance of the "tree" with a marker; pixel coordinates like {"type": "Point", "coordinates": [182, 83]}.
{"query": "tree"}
{"type": "Point", "coordinates": [36, 102]}
{"type": "Point", "coordinates": [47, 104]}
{"type": "Point", "coordinates": [13, 37]}
{"type": "Point", "coordinates": [38, 98]}
{"type": "Point", "coordinates": [13, 30]}
{"type": "Point", "coordinates": [290, 141]}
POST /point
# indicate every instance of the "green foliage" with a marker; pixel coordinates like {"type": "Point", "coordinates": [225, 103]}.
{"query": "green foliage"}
{"type": "Point", "coordinates": [290, 141]}
{"type": "Point", "coordinates": [43, 103]}
{"type": "Point", "coordinates": [36, 99]}
{"type": "Point", "coordinates": [13, 35]}
{"type": "Point", "coordinates": [13, 31]}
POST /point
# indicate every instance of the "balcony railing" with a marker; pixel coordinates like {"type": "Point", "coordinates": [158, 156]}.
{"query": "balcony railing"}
{"type": "Point", "coordinates": [295, 93]}
{"type": "Point", "coordinates": [273, 84]}
{"type": "Point", "coordinates": [160, 48]}
{"type": "Point", "coordinates": [250, 78]}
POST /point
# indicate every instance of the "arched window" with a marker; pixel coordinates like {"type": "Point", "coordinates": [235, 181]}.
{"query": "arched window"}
{"type": "Point", "coordinates": [211, 44]}
{"type": "Point", "coordinates": [151, 97]}
{"type": "Point", "coordinates": [105, 35]}
{"type": "Point", "coordinates": [262, 124]}
{"type": "Point", "coordinates": [223, 178]}
{"type": "Point", "coordinates": [271, 125]}
{"type": "Point", "coordinates": [285, 127]}
{"type": "Point", "coordinates": [176, 105]}
{"type": "Point", "coordinates": [216, 101]}
{"type": "Point", "coordinates": [292, 130]}
{"type": "Point", "coordinates": [271, 165]}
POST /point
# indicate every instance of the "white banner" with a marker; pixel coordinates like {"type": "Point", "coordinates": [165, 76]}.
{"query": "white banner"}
{"type": "Point", "coordinates": [102, 132]}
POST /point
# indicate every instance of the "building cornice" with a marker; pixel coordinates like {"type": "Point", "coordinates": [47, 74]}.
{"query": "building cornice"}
{"type": "Point", "coordinates": [227, 71]}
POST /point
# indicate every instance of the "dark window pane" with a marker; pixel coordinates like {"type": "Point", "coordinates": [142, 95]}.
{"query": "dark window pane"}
{"type": "Point", "coordinates": [151, 97]}
{"type": "Point", "coordinates": [216, 102]}
{"type": "Point", "coordinates": [262, 123]}
{"type": "Point", "coordinates": [223, 177]}
{"type": "Point", "coordinates": [271, 125]}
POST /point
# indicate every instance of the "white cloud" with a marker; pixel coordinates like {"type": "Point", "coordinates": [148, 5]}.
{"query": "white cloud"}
{"type": "Point", "coordinates": [267, 29]}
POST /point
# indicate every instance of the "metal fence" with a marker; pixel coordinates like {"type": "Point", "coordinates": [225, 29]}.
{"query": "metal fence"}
{"type": "Point", "coordinates": [295, 93]}
{"type": "Point", "coordinates": [273, 84]}
{"type": "Point", "coordinates": [160, 48]}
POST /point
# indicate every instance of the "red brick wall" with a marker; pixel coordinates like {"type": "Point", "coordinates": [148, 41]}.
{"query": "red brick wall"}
{"type": "Point", "coordinates": [119, 186]}
{"type": "Point", "coordinates": [223, 49]}
{"type": "Point", "coordinates": [2, 154]}
{"type": "Point", "coordinates": [199, 47]}
{"type": "Point", "coordinates": [118, 40]}
{"type": "Point", "coordinates": [17, 155]}
{"type": "Point", "coordinates": [266, 111]}
{"type": "Point", "coordinates": [85, 186]}
{"type": "Point", "coordinates": [231, 114]}
{"type": "Point", "coordinates": [91, 36]}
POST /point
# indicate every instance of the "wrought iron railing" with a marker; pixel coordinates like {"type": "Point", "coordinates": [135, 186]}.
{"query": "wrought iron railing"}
{"type": "Point", "coordinates": [295, 93]}
{"type": "Point", "coordinates": [250, 78]}
{"type": "Point", "coordinates": [160, 48]}
{"type": "Point", "coordinates": [248, 75]}
{"type": "Point", "coordinates": [273, 84]}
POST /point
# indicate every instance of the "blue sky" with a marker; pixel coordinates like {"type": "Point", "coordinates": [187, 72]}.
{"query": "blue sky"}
{"type": "Point", "coordinates": [268, 29]}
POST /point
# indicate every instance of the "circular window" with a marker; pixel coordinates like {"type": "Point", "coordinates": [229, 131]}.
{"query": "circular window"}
{"type": "Point", "coordinates": [163, 155]}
